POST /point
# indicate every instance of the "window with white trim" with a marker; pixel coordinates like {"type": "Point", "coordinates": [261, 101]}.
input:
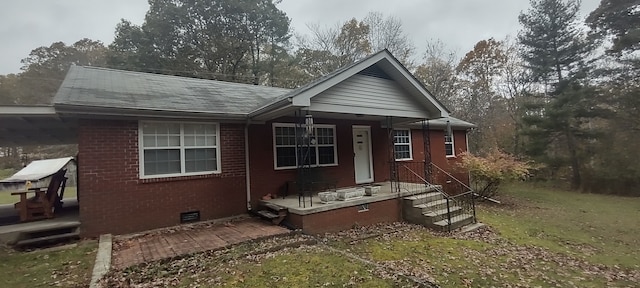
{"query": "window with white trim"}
{"type": "Point", "coordinates": [448, 144]}
{"type": "Point", "coordinates": [402, 144]}
{"type": "Point", "coordinates": [178, 149]}
{"type": "Point", "coordinates": [321, 147]}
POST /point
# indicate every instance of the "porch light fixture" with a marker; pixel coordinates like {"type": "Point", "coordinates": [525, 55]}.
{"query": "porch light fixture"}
{"type": "Point", "coordinates": [308, 123]}
{"type": "Point", "coordinates": [449, 132]}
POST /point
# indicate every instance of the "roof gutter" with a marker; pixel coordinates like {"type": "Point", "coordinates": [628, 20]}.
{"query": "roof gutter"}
{"type": "Point", "coordinates": [93, 111]}
{"type": "Point", "coordinates": [271, 107]}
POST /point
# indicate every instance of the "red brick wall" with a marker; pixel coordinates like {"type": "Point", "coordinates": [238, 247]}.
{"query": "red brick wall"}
{"type": "Point", "coordinates": [438, 153]}
{"type": "Point", "coordinates": [346, 218]}
{"type": "Point", "coordinates": [114, 200]}
{"type": "Point", "coordinates": [265, 179]}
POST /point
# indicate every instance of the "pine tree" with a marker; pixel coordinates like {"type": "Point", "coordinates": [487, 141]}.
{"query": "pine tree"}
{"type": "Point", "coordinates": [556, 50]}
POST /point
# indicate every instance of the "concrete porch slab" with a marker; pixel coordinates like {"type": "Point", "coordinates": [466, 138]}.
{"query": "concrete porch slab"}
{"type": "Point", "coordinates": [314, 205]}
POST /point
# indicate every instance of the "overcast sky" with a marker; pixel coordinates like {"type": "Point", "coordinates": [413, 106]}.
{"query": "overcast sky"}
{"type": "Point", "coordinates": [27, 24]}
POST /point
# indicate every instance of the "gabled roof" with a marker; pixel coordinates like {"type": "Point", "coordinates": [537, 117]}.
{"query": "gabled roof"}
{"type": "Point", "coordinates": [93, 90]}
{"type": "Point", "coordinates": [383, 59]}
{"type": "Point", "coordinates": [96, 91]}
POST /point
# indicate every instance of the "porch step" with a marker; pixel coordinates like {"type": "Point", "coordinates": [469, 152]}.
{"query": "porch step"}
{"type": "Point", "coordinates": [49, 234]}
{"type": "Point", "coordinates": [432, 204]}
{"type": "Point", "coordinates": [424, 198]}
{"type": "Point", "coordinates": [48, 239]}
{"type": "Point", "coordinates": [272, 212]}
{"type": "Point", "coordinates": [267, 214]}
{"type": "Point", "coordinates": [456, 222]}
{"type": "Point", "coordinates": [438, 215]}
{"type": "Point", "coordinates": [430, 209]}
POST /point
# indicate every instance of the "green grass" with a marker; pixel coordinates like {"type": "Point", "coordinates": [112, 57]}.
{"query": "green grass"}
{"type": "Point", "coordinates": [70, 267]}
{"type": "Point", "coordinates": [7, 198]}
{"type": "Point", "coordinates": [6, 173]}
{"type": "Point", "coordinates": [538, 237]}
{"type": "Point", "coordinates": [601, 228]}
{"type": "Point", "coordinates": [306, 266]}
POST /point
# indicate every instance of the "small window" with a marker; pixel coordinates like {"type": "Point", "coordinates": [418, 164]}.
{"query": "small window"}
{"type": "Point", "coordinates": [175, 149]}
{"type": "Point", "coordinates": [448, 144]}
{"type": "Point", "coordinates": [402, 144]}
{"type": "Point", "coordinates": [319, 150]}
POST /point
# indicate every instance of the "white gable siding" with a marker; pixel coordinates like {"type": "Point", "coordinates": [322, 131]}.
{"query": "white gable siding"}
{"type": "Point", "coordinates": [368, 95]}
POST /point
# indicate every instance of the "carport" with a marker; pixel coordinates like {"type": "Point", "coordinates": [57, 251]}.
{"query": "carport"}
{"type": "Point", "coordinates": [22, 125]}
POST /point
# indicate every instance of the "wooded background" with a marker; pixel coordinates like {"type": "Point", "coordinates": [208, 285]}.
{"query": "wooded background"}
{"type": "Point", "coordinates": [563, 92]}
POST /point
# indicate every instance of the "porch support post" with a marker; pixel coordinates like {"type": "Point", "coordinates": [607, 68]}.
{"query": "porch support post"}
{"type": "Point", "coordinates": [393, 165]}
{"type": "Point", "coordinates": [426, 141]}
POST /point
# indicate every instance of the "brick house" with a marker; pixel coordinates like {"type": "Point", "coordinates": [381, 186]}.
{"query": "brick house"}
{"type": "Point", "coordinates": [153, 147]}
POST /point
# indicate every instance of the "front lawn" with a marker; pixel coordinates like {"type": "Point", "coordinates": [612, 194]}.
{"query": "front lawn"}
{"type": "Point", "coordinates": [70, 267]}
{"type": "Point", "coordinates": [602, 229]}
{"type": "Point", "coordinates": [537, 238]}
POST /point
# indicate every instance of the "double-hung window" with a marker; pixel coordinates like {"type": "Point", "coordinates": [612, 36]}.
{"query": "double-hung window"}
{"type": "Point", "coordinates": [402, 144]}
{"type": "Point", "coordinates": [292, 149]}
{"type": "Point", "coordinates": [448, 144]}
{"type": "Point", "coordinates": [175, 149]}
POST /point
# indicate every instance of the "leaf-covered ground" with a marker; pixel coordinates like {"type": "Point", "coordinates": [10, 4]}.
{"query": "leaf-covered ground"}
{"type": "Point", "coordinates": [67, 267]}
{"type": "Point", "coordinates": [536, 238]}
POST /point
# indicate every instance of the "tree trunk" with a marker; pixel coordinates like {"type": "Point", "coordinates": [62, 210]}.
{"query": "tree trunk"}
{"type": "Point", "coordinates": [573, 154]}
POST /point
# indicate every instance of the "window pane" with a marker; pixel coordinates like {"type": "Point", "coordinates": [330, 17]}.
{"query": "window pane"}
{"type": "Point", "coordinates": [326, 155]}
{"type": "Point", "coordinates": [285, 136]}
{"type": "Point", "coordinates": [162, 161]}
{"type": "Point", "coordinates": [149, 141]}
{"type": "Point", "coordinates": [448, 149]}
{"type": "Point", "coordinates": [285, 156]}
{"type": "Point", "coordinates": [324, 135]}
{"type": "Point", "coordinates": [307, 156]}
{"type": "Point", "coordinates": [198, 160]}
{"type": "Point", "coordinates": [402, 152]}
{"type": "Point", "coordinates": [189, 140]}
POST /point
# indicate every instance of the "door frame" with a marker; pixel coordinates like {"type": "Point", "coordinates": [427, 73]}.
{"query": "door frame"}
{"type": "Point", "coordinates": [368, 129]}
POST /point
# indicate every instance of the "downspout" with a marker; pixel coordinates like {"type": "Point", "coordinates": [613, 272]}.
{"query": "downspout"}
{"type": "Point", "coordinates": [246, 161]}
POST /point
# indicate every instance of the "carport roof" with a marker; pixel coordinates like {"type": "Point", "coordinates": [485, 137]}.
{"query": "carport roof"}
{"type": "Point", "coordinates": [35, 125]}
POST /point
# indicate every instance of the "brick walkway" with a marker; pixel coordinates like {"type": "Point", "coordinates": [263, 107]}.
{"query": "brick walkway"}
{"type": "Point", "coordinates": [190, 239]}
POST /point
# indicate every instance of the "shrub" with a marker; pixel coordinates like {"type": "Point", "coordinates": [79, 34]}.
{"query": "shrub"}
{"type": "Point", "coordinates": [487, 173]}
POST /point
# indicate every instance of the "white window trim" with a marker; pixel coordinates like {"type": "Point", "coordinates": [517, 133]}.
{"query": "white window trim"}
{"type": "Point", "coordinates": [182, 148]}
{"type": "Point", "coordinates": [275, 155]}
{"type": "Point", "coordinates": [453, 146]}
{"type": "Point", "coordinates": [410, 145]}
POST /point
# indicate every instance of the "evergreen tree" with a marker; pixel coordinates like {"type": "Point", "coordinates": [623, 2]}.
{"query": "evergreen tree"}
{"type": "Point", "coordinates": [556, 50]}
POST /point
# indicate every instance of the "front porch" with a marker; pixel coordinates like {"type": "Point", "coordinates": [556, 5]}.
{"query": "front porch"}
{"type": "Point", "coordinates": [316, 217]}
{"type": "Point", "coordinates": [312, 203]}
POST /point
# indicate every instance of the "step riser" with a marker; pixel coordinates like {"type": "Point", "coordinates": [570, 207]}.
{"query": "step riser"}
{"type": "Point", "coordinates": [429, 199]}
{"type": "Point", "coordinates": [433, 203]}
{"type": "Point", "coordinates": [436, 218]}
{"type": "Point", "coordinates": [455, 225]}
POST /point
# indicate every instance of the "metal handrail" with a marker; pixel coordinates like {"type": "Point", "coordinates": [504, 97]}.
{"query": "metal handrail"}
{"type": "Point", "coordinates": [458, 199]}
{"type": "Point", "coordinates": [451, 176]}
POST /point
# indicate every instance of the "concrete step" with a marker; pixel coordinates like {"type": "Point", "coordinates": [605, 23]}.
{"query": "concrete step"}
{"type": "Point", "coordinates": [426, 207]}
{"type": "Point", "coordinates": [48, 239]}
{"type": "Point", "coordinates": [267, 214]}
{"type": "Point", "coordinates": [273, 207]}
{"type": "Point", "coordinates": [456, 222]}
{"type": "Point", "coordinates": [437, 215]}
{"type": "Point", "coordinates": [423, 198]}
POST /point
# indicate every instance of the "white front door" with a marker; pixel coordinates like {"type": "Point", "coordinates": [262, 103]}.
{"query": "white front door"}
{"type": "Point", "coordinates": [362, 154]}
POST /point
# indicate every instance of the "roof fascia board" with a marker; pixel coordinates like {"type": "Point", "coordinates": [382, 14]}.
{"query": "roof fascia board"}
{"type": "Point", "coordinates": [25, 110]}
{"type": "Point", "coordinates": [140, 113]}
